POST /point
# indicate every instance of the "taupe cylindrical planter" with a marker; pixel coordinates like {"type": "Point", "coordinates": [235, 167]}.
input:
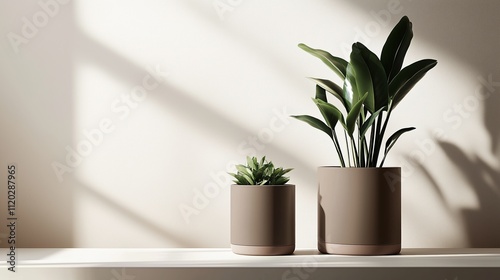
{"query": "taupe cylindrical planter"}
{"type": "Point", "coordinates": [263, 219]}
{"type": "Point", "coordinates": [359, 210]}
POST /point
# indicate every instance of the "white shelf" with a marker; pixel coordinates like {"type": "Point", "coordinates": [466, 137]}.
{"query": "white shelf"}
{"type": "Point", "coordinates": [450, 264]}
{"type": "Point", "coordinates": [219, 258]}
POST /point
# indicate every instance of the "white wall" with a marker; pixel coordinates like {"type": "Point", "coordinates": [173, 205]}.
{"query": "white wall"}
{"type": "Point", "coordinates": [216, 80]}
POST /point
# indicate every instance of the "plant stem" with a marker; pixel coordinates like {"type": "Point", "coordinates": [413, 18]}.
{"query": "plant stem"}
{"type": "Point", "coordinates": [378, 140]}
{"type": "Point", "coordinates": [361, 159]}
{"type": "Point", "coordinates": [337, 146]}
{"type": "Point", "coordinates": [381, 135]}
{"type": "Point", "coordinates": [347, 148]}
{"type": "Point", "coordinates": [365, 156]}
{"type": "Point", "coordinates": [370, 151]}
{"type": "Point", "coordinates": [355, 154]}
{"type": "Point", "coordinates": [362, 153]}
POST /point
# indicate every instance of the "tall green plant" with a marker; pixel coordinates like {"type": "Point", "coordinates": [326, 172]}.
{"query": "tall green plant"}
{"type": "Point", "coordinates": [372, 87]}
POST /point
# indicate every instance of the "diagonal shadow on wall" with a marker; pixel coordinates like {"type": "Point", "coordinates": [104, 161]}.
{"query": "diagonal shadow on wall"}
{"type": "Point", "coordinates": [177, 101]}
{"type": "Point", "coordinates": [180, 241]}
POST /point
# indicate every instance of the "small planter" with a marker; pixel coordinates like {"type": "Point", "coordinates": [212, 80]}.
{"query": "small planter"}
{"type": "Point", "coordinates": [359, 211]}
{"type": "Point", "coordinates": [263, 219]}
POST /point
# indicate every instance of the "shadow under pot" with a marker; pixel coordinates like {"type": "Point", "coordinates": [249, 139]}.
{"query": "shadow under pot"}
{"type": "Point", "coordinates": [263, 219]}
{"type": "Point", "coordinates": [359, 210]}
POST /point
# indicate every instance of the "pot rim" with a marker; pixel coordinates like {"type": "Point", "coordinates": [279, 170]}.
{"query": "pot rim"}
{"type": "Point", "coordinates": [340, 167]}
{"type": "Point", "coordinates": [264, 186]}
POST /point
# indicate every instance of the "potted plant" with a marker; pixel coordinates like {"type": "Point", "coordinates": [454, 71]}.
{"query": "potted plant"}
{"type": "Point", "coordinates": [262, 209]}
{"type": "Point", "coordinates": [359, 202]}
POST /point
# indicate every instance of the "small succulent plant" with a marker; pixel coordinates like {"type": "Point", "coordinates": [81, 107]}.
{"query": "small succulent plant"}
{"type": "Point", "coordinates": [260, 172]}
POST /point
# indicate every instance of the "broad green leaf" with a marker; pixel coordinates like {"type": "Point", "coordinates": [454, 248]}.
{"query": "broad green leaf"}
{"type": "Point", "coordinates": [369, 122]}
{"type": "Point", "coordinates": [407, 78]}
{"type": "Point", "coordinates": [350, 89]}
{"type": "Point", "coordinates": [332, 88]}
{"type": "Point", "coordinates": [395, 47]}
{"type": "Point", "coordinates": [330, 113]}
{"type": "Point", "coordinates": [320, 93]}
{"type": "Point", "coordinates": [337, 64]}
{"type": "Point", "coordinates": [316, 123]}
{"type": "Point", "coordinates": [363, 77]}
{"type": "Point", "coordinates": [354, 114]}
{"type": "Point", "coordinates": [392, 140]}
{"type": "Point", "coordinates": [378, 76]}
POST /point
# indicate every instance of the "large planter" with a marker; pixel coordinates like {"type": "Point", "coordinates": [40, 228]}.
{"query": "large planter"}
{"type": "Point", "coordinates": [263, 219]}
{"type": "Point", "coordinates": [359, 210]}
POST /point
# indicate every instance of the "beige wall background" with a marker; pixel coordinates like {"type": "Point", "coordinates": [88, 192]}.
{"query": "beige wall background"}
{"type": "Point", "coordinates": [123, 116]}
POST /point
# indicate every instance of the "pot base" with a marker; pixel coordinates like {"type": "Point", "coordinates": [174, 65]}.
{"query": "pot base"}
{"type": "Point", "coordinates": [262, 250]}
{"type": "Point", "coordinates": [347, 249]}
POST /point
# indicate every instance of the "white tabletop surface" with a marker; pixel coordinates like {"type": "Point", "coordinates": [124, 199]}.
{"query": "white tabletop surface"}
{"type": "Point", "coordinates": [220, 258]}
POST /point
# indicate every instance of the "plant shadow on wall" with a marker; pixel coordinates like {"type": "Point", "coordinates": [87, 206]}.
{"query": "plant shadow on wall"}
{"type": "Point", "coordinates": [481, 224]}
{"type": "Point", "coordinates": [457, 38]}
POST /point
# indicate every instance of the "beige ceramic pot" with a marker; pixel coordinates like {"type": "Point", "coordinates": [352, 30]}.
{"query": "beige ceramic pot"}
{"type": "Point", "coordinates": [359, 210]}
{"type": "Point", "coordinates": [263, 219]}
